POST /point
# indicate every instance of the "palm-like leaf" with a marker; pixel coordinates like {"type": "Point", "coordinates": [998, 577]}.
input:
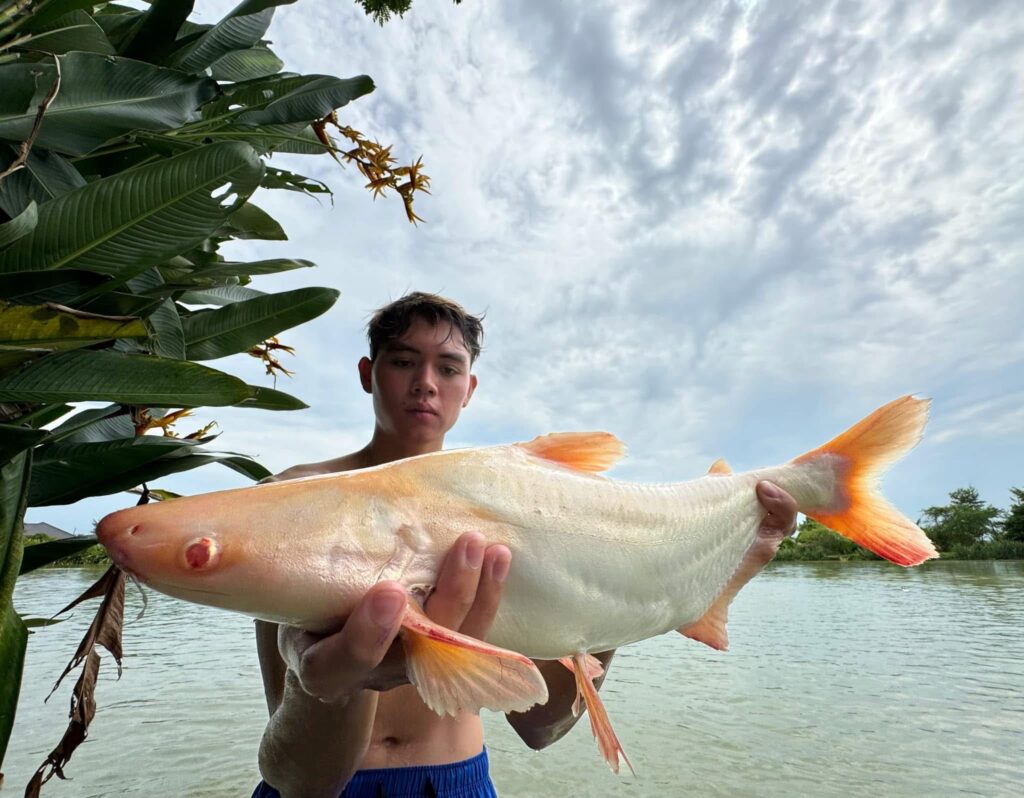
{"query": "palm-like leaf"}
{"type": "Point", "coordinates": [82, 376]}
{"type": "Point", "coordinates": [100, 98]}
{"type": "Point", "coordinates": [142, 216]}
{"type": "Point", "coordinates": [237, 327]}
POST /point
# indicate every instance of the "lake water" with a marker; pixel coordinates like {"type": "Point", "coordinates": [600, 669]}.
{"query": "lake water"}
{"type": "Point", "coordinates": [842, 680]}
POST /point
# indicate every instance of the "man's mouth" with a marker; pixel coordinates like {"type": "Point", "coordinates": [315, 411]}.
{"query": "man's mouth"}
{"type": "Point", "coordinates": [421, 410]}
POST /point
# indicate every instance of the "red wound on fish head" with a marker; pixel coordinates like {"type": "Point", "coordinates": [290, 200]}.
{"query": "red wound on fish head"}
{"type": "Point", "coordinates": [201, 553]}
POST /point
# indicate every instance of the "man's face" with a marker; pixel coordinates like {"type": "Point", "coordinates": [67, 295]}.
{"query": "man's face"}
{"type": "Point", "coordinates": [420, 382]}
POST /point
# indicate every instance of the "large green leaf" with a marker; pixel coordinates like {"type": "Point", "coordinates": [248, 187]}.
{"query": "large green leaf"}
{"type": "Point", "coordinates": [21, 225]}
{"type": "Point", "coordinates": [73, 31]}
{"type": "Point", "coordinates": [251, 221]}
{"type": "Point", "coordinates": [239, 30]}
{"type": "Point", "coordinates": [43, 327]}
{"type": "Point", "coordinates": [219, 295]}
{"type": "Point", "coordinates": [44, 13]}
{"type": "Point", "coordinates": [33, 288]}
{"type": "Point", "coordinates": [255, 94]}
{"type": "Point", "coordinates": [45, 175]}
{"type": "Point", "coordinates": [40, 554]}
{"type": "Point", "coordinates": [100, 98]}
{"type": "Point", "coordinates": [235, 328]}
{"type": "Point", "coordinates": [154, 38]}
{"type": "Point", "coordinates": [14, 477]}
{"type": "Point", "coordinates": [295, 137]}
{"type": "Point", "coordinates": [279, 178]}
{"type": "Point", "coordinates": [93, 425]}
{"type": "Point", "coordinates": [142, 216]}
{"type": "Point", "coordinates": [241, 65]}
{"type": "Point", "coordinates": [271, 399]}
{"type": "Point", "coordinates": [81, 376]}
{"type": "Point", "coordinates": [167, 337]}
{"type": "Point", "coordinates": [232, 269]}
{"type": "Point", "coordinates": [14, 439]}
{"type": "Point", "coordinates": [66, 472]}
{"type": "Point", "coordinates": [312, 101]}
{"type": "Point", "coordinates": [13, 637]}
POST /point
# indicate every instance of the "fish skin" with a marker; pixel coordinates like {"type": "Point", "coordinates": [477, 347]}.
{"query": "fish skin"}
{"type": "Point", "coordinates": [597, 563]}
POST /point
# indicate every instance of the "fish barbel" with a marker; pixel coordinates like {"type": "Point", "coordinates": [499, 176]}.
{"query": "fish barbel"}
{"type": "Point", "coordinates": [597, 563]}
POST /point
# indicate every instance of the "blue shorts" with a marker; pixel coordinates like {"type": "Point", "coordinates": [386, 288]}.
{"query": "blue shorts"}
{"type": "Point", "coordinates": [466, 779]}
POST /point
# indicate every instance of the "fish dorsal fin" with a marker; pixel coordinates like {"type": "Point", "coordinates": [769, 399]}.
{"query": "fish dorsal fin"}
{"type": "Point", "coordinates": [592, 452]}
{"type": "Point", "coordinates": [720, 467]}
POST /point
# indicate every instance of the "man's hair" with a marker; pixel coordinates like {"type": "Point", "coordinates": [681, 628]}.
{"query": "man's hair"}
{"type": "Point", "coordinates": [391, 322]}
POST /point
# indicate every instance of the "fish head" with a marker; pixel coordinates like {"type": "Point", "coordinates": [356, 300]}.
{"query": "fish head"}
{"type": "Point", "coordinates": [299, 551]}
{"type": "Point", "coordinates": [182, 547]}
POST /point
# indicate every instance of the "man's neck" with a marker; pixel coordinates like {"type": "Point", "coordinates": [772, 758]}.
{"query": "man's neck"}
{"type": "Point", "coordinates": [384, 448]}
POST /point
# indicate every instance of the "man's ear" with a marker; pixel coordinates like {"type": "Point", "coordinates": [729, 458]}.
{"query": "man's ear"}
{"type": "Point", "coordinates": [366, 374]}
{"type": "Point", "coordinates": [472, 387]}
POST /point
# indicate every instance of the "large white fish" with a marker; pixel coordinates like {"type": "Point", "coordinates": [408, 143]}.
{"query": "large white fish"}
{"type": "Point", "coordinates": [597, 563]}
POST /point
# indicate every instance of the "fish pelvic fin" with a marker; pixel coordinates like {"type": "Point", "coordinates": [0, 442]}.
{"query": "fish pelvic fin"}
{"type": "Point", "coordinates": [591, 452]}
{"type": "Point", "coordinates": [858, 458]}
{"type": "Point", "coordinates": [453, 672]}
{"type": "Point", "coordinates": [607, 742]}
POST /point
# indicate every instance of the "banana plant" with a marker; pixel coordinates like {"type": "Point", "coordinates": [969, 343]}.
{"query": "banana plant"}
{"type": "Point", "coordinates": [131, 144]}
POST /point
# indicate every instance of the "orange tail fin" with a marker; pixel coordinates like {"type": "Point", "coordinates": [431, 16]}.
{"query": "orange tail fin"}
{"type": "Point", "coordinates": [858, 458]}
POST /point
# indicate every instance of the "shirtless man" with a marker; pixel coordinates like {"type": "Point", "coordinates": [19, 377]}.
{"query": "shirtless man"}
{"type": "Point", "coordinates": [333, 729]}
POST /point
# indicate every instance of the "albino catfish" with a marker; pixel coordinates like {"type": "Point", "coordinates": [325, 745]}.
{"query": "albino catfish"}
{"type": "Point", "coordinates": [597, 563]}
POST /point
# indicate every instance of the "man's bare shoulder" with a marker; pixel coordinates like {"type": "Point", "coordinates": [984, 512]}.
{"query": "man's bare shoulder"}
{"type": "Point", "coordinates": [348, 462]}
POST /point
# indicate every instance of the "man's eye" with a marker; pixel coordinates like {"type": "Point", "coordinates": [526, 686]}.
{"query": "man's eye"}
{"type": "Point", "coordinates": [449, 371]}
{"type": "Point", "coordinates": [401, 363]}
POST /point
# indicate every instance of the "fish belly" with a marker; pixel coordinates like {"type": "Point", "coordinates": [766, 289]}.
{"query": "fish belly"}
{"type": "Point", "coordinates": [598, 564]}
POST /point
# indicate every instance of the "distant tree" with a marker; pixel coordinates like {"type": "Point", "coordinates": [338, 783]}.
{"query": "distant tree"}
{"type": "Point", "coordinates": [1013, 523]}
{"type": "Point", "coordinates": [965, 520]}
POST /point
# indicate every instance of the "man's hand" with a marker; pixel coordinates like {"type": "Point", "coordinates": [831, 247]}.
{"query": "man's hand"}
{"type": "Point", "coordinates": [363, 654]}
{"type": "Point", "coordinates": [781, 519]}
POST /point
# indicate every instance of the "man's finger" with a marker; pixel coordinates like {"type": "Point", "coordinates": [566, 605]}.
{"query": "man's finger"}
{"type": "Point", "coordinates": [781, 507]}
{"type": "Point", "coordinates": [341, 663]}
{"type": "Point", "coordinates": [497, 560]}
{"type": "Point", "coordinates": [457, 583]}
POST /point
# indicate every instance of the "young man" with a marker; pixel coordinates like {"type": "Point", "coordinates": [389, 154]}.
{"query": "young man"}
{"type": "Point", "coordinates": [341, 710]}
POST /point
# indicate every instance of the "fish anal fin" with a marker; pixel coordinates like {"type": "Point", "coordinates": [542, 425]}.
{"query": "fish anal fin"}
{"type": "Point", "coordinates": [710, 628]}
{"type": "Point", "coordinates": [591, 452]}
{"type": "Point", "coordinates": [607, 742]}
{"type": "Point", "coordinates": [453, 672]}
{"type": "Point", "coordinates": [720, 468]}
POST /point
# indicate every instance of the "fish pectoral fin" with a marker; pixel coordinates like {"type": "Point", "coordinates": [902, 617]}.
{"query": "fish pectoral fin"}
{"type": "Point", "coordinates": [454, 672]}
{"type": "Point", "coordinates": [592, 452]}
{"type": "Point", "coordinates": [720, 468]}
{"type": "Point", "coordinates": [710, 627]}
{"type": "Point", "coordinates": [607, 742]}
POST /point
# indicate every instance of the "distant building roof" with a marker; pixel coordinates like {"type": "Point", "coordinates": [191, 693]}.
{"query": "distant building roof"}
{"type": "Point", "coordinates": [47, 529]}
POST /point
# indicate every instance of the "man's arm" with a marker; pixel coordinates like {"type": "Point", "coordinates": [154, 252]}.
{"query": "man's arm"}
{"type": "Point", "coordinates": [321, 712]}
{"type": "Point", "coordinates": [543, 725]}
{"type": "Point", "coordinates": [322, 691]}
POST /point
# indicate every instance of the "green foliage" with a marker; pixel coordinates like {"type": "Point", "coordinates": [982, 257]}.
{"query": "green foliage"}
{"type": "Point", "coordinates": [1000, 549]}
{"type": "Point", "coordinates": [813, 541]}
{"type": "Point", "coordinates": [381, 10]}
{"type": "Point", "coordinates": [1013, 523]}
{"type": "Point", "coordinates": [964, 521]}
{"type": "Point", "coordinates": [42, 551]}
{"type": "Point", "coordinates": [131, 141]}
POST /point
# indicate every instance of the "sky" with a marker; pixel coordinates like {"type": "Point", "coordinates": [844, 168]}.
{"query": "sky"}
{"type": "Point", "coordinates": [714, 229]}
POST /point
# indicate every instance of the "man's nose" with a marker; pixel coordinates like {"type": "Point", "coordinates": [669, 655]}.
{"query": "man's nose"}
{"type": "Point", "coordinates": [425, 382]}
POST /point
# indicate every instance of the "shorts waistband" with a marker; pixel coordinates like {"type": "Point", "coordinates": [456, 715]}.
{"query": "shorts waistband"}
{"type": "Point", "coordinates": [470, 777]}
